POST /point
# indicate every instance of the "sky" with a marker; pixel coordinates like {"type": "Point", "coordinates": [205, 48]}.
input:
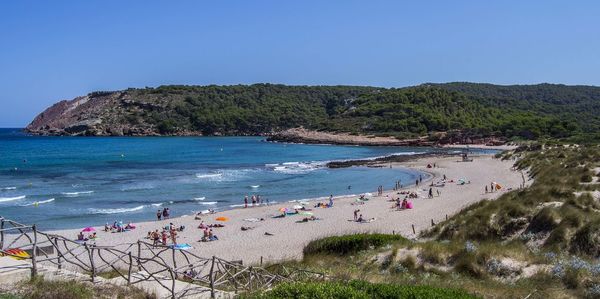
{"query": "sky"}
{"type": "Point", "coordinates": [57, 50]}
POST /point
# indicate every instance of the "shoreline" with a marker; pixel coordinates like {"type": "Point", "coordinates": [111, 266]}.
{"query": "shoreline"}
{"type": "Point", "coordinates": [287, 237]}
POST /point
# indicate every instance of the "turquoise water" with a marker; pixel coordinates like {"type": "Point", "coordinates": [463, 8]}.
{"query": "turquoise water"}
{"type": "Point", "coordinates": [89, 181]}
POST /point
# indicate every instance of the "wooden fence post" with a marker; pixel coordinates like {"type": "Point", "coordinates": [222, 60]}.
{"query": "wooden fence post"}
{"type": "Point", "coordinates": [91, 256]}
{"type": "Point", "coordinates": [139, 255]}
{"type": "Point", "coordinates": [212, 278]}
{"type": "Point", "coordinates": [172, 283]}
{"type": "Point", "coordinates": [174, 260]}
{"type": "Point", "coordinates": [34, 253]}
{"type": "Point", "coordinates": [129, 270]}
{"type": "Point", "coordinates": [59, 253]}
{"type": "Point", "coordinates": [413, 227]}
{"type": "Point", "coordinates": [1, 233]}
{"type": "Point", "coordinates": [432, 223]}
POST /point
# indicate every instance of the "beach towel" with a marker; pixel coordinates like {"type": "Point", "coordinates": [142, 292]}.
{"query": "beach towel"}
{"type": "Point", "coordinates": [184, 246]}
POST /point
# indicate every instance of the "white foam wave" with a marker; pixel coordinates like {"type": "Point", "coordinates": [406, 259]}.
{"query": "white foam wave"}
{"type": "Point", "coordinates": [38, 202]}
{"type": "Point", "coordinates": [296, 167]}
{"type": "Point", "coordinates": [157, 204]}
{"type": "Point", "coordinates": [8, 188]}
{"type": "Point", "coordinates": [5, 199]}
{"type": "Point", "coordinates": [114, 211]}
{"type": "Point", "coordinates": [208, 203]}
{"type": "Point", "coordinates": [223, 175]}
{"type": "Point", "coordinates": [200, 198]}
{"type": "Point", "coordinates": [137, 186]}
{"type": "Point", "coordinates": [75, 194]}
{"type": "Point", "coordinates": [236, 206]}
{"type": "Point", "coordinates": [254, 186]}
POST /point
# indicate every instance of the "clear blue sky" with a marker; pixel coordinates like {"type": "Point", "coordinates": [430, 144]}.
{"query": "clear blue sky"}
{"type": "Point", "coordinates": [53, 50]}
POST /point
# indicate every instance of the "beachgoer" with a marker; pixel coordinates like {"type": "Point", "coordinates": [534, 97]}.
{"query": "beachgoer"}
{"type": "Point", "coordinates": [80, 237]}
{"type": "Point", "coordinates": [420, 178]}
{"type": "Point", "coordinates": [245, 201]}
{"type": "Point", "coordinates": [253, 200]}
{"type": "Point", "coordinates": [158, 215]}
{"type": "Point", "coordinates": [444, 177]}
{"type": "Point", "coordinates": [164, 237]}
{"type": "Point", "coordinates": [486, 189]}
{"type": "Point", "coordinates": [106, 227]}
{"type": "Point", "coordinates": [212, 236]}
{"type": "Point", "coordinates": [356, 214]}
{"type": "Point", "coordinates": [438, 192]}
{"type": "Point", "coordinates": [174, 236]}
{"type": "Point", "coordinates": [430, 193]}
{"type": "Point", "coordinates": [331, 200]}
{"type": "Point", "coordinates": [360, 218]}
{"type": "Point", "coordinates": [93, 236]}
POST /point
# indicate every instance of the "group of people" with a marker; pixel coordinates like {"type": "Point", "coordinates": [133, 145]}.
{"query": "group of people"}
{"type": "Point", "coordinates": [255, 199]}
{"type": "Point", "coordinates": [403, 205]}
{"type": "Point", "coordinates": [168, 232]}
{"type": "Point", "coordinates": [81, 236]}
{"type": "Point", "coordinates": [164, 214]}
{"type": "Point", "coordinates": [118, 227]}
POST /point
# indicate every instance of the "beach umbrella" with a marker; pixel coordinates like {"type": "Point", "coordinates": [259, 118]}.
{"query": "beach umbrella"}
{"type": "Point", "coordinates": [222, 218]}
{"type": "Point", "coordinates": [88, 229]}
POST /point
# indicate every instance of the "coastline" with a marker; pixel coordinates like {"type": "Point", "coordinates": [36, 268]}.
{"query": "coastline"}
{"type": "Point", "coordinates": [288, 237]}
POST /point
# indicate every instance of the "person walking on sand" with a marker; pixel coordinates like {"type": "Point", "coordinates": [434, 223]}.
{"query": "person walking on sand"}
{"type": "Point", "coordinates": [246, 201]}
{"type": "Point", "coordinates": [420, 178]}
{"type": "Point", "coordinates": [438, 192]}
{"type": "Point", "coordinates": [486, 190]}
{"type": "Point", "coordinates": [356, 214]}
{"type": "Point", "coordinates": [430, 192]}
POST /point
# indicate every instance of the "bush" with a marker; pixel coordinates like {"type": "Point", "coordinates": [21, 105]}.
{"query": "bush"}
{"type": "Point", "coordinates": [359, 289]}
{"type": "Point", "coordinates": [586, 178]}
{"type": "Point", "coordinates": [340, 245]}
{"type": "Point", "coordinates": [545, 220]}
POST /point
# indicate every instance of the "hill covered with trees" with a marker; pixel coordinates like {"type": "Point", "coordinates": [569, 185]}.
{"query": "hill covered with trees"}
{"type": "Point", "coordinates": [528, 111]}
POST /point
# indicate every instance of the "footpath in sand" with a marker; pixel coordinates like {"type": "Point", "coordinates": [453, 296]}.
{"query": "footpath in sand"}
{"type": "Point", "coordinates": [289, 237]}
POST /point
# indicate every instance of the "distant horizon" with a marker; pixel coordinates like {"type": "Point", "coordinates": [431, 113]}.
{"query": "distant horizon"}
{"type": "Point", "coordinates": [60, 50]}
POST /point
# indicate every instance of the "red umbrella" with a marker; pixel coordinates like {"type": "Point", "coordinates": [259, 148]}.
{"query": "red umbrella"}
{"type": "Point", "coordinates": [88, 229]}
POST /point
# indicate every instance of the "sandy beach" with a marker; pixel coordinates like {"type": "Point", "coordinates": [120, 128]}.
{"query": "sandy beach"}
{"type": "Point", "coordinates": [288, 237]}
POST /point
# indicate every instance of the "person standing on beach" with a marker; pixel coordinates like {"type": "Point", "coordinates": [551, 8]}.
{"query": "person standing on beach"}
{"type": "Point", "coordinates": [331, 200]}
{"type": "Point", "coordinates": [486, 190]}
{"type": "Point", "coordinates": [417, 182]}
{"type": "Point", "coordinates": [159, 213]}
{"type": "Point", "coordinates": [164, 237]}
{"type": "Point", "coordinates": [430, 192]}
{"type": "Point", "coordinates": [246, 201]}
{"type": "Point", "coordinates": [356, 214]}
{"type": "Point", "coordinates": [420, 178]}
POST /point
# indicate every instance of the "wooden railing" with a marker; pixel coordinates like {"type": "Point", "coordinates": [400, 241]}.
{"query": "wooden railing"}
{"type": "Point", "coordinates": [180, 272]}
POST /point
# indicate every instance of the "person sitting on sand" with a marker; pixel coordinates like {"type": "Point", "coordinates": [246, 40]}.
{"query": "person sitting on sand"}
{"type": "Point", "coordinates": [404, 204]}
{"type": "Point", "coordinates": [106, 227]}
{"type": "Point", "coordinates": [181, 228]}
{"type": "Point", "coordinates": [149, 236]}
{"type": "Point", "coordinates": [93, 236]}
{"type": "Point", "coordinates": [211, 236]}
{"type": "Point", "coordinates": [360, 218]}
{"type": "Point", "coordinates": [130, 226]}
{"type": "Point", "coordinates": [245, 228]}
{"type": "Point", "coordinates": [202, 225]}
{"type": "Point", "coordinates": [81, 237]}
{"type": "Point", "coordinates": [198, 216]}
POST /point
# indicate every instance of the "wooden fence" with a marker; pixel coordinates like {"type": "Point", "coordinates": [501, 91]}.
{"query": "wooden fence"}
{"type": "Point", "coordinates": [180, 272]}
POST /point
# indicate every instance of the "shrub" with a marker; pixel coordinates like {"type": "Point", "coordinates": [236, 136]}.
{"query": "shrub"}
{"type": "Point", "coordinates": [358, 289]}
{"type": "Point", "coordinates": [340, 245]}
{"type": "Point", "coordinates": [545, 220]}
{"type": "Point", "coordinates": [586, 178]}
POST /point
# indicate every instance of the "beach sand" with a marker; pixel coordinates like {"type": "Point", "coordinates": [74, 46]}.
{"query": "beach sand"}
{"type": "Point", "coordinates": [289, 237]}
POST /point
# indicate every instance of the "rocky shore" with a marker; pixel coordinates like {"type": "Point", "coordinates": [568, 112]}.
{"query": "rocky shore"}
{"type": "Point", "coordinates": [301, 135]}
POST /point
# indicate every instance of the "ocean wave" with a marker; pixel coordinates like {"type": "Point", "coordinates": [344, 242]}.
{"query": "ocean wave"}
{"type": "Point", "coordinates": [208, 203]}
{"type": "Point", "coordinates": [8, 188]}
{"type": "Point", "coordinates": [38, 202]}
{"type": "Point", "coordinates": [114, 211]}
{"type": "Point", "coordinates": [157, 204]}
{"type": "Point", "coordinates": [5, 199]}
{"type": "Point", "coordinates": [296, 167]}
{"type": "Point", "coordinates": [75, 194]}
{"type": "Point", "coordinates": [200, 198]}
{"type": "Point", "coordinates": [254, 186]}
{"type": "Point", "coordinates": [223, 175]}
{"type": "Point", "coordinates": [137, 186]}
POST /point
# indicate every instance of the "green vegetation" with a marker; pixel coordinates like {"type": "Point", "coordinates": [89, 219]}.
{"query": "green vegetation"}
{"type": "Point", "coordinates": [46, 289]}
{"type": "Point", "coordinates": [477, 110]}
{"type": "Point", "coordinates": [359, 289]}
{"type": "Point", "coordinates": [350, 243]}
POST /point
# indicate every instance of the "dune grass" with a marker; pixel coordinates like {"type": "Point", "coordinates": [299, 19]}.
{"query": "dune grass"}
{"type": "Point", "coordinates": [341, 245]}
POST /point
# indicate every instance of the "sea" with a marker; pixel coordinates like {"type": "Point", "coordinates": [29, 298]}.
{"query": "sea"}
{"type": "Point", "coordinates": [74, 182]}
